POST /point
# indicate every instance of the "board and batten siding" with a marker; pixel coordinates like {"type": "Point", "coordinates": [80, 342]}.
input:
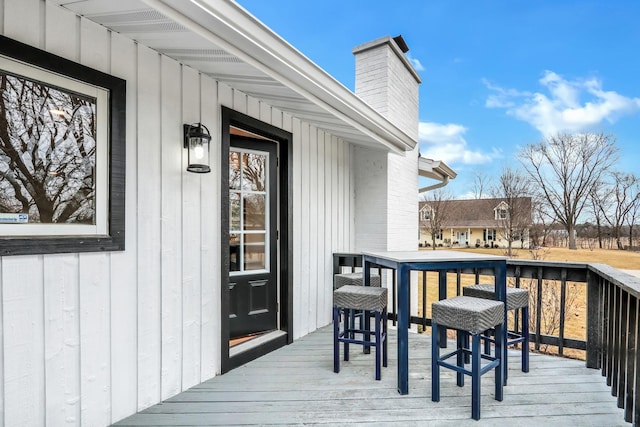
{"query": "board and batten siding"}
{"type": "Point", "coordinates": [90, 338]}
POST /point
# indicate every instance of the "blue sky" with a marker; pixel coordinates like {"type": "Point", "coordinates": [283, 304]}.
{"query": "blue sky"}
{"type": "Point", "coordinates": [496, 75]}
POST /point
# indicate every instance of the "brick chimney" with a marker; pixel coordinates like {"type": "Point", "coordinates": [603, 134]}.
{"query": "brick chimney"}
{"type": "Point", "coordinates": [386, 184]}
{"type": "Point", "coordinates": [386, 80]}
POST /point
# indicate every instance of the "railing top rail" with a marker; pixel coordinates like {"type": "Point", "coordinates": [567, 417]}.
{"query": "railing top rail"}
{"type": "Point", "coordinates": [622, 279]}
{"type": "Point", "coordinates": [545, 263]}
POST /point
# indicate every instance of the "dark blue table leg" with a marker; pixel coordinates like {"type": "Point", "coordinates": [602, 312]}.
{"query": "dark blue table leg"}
{"type": "Point", "coordinates": [366, 271]}
{"type": "Point", "coordinates": [403, 329]}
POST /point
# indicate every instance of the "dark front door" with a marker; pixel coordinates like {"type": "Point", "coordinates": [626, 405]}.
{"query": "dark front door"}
{"type": "Point", "coordinates": [253, 257]}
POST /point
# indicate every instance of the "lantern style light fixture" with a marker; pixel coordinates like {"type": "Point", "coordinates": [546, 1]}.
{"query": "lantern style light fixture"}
{"type": "Point", "coordinates": [196, 140]}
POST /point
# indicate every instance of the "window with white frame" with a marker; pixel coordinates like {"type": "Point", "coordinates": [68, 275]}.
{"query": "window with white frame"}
{"type": "Point", "coordinates": [490, 235]}
{"type": "Point", "coordinates": [502, 213]}
{"type": "Point", "coordinates": [425, 214]}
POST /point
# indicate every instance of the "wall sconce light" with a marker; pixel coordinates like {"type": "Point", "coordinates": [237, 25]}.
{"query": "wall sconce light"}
{"type": "Point", "coordinates": [196, 140]}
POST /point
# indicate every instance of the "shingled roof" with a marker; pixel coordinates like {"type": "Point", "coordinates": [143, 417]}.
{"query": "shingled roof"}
{"type": "Point", "coordinates": [476, 213]}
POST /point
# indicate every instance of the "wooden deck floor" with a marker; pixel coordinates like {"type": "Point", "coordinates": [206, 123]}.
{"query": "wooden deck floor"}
{"type": "Point", "coordinates": [295, 385]}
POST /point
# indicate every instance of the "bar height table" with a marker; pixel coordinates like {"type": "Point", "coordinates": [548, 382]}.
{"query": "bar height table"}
{"type": "Point", "coordinates": [441, 261]}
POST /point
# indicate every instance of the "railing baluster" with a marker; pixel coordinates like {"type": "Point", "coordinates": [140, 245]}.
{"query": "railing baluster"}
{"type": "Point", "coordinates": [632, 319]}
{"type": "Point", "coordinates": [616, 342]}
{"type": "Point", "coordinates": [606, 338]}
{"type": "Point", "coordinates": [538, 309]}
{"type": "Point", "coordinates": [635, 404]}
{"type": "Point", "coordinates": [424, 299]}
{"type": "Point", "coordinates": [617, 345]}
{"type": "Point", "coordinates": [622, 366]}
{"type": "Point", "coordinates": [594, 321]}
{"type": "Point", "coordinates": [563, 303]}
{"type": "Point", "coordinates": [516, 317]}
{"type": "Point", "coordinates": [611, 331]}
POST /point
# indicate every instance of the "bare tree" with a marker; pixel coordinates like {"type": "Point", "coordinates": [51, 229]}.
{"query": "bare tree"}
{"type": "Point", "coordinates": [565, 167]}
{"type": "Point", "coordinates": [599, 204]}
{"type": "Point", "coordinates": [616, 200]}
{"type": "Point", "coordinates": [543, 220]}
{"type": "Point", "coordinates": [481, 183]}
{"type": "Point", "coordinates": [438, 212]}
{"type": "Point", "coordinates": [47, 152]}
{"type": "Point", "coordinates": [634, 209]}
{"type": "Point", "coordinates": [513, 189]}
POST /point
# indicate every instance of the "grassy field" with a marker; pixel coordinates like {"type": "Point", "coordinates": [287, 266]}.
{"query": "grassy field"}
{"type": "Point", "coordinates": [575, 326]}
{"type": "Point", "coordinates": [624, 260]}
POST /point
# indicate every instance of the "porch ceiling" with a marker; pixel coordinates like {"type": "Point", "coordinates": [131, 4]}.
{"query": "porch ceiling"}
{"type": "Point", "coordinates": [223, 40]}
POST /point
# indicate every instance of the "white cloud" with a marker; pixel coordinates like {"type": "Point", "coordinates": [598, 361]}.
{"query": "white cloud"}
{"type": "Point", "coordinates": [569, 105]}
{"type": "Point", "coordinates": [415, 62]}
{"type": "Point", "coordinates": [446, 142]}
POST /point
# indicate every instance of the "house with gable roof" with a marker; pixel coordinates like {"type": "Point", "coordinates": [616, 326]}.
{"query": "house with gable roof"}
{"type": "Point", "coordinates": [477, 222]}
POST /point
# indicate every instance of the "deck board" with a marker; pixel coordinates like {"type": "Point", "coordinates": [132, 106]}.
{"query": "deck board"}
{"type": "Point", "coordinates": [295, 385]}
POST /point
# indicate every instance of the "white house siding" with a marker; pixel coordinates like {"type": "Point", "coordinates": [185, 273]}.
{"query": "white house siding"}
{"type": "Point", "coordinates": [91, 338]}
{"type": "Point", "coordinates": [385, 200]}
{"type": "Point", "coordinates": [403, 201]}
{"type": "Point", "coordinates": [322, 222]}
{"type": "Point", "coordinates": [371, 171]}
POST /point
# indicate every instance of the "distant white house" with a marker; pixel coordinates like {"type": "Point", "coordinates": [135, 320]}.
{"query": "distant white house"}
{"type": "Point", "coordinates": [477, 223]}
{"type": "Point", "coordinates": [101, 323]}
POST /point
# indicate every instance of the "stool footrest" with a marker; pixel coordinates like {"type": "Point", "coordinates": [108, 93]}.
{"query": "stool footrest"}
{"type": "Point", "coordinates": [366, 339]}
{"type": "Point", "coordinates": [512, 338]}
{"type": "Point", "coordinates": [370, 338]}
{"type": "Point", "coordinates": [489, 366]}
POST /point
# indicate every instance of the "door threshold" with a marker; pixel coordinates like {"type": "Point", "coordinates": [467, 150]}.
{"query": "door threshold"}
{"type": "Point", "coordinates": [255, 342]}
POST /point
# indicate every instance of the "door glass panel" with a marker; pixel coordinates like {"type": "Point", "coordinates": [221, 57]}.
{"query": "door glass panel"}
{"type": "Point", "coordinates": [254, 252]}
{"type": "Point", "coordinates": [254, 166]}
{"type": "Point", "coordinates": [254, 212]}
{"type": "Point", "coordinates": [248, 213]}
{"type": "Point", "coordinates": [234, 170]}
{"type": "Point", "coordinates": [234, 252]}
{"type": "Point", "coordinates": [234, 211]}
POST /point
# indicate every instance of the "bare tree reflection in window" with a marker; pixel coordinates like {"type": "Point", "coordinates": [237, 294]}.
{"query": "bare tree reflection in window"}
{"type": "Point", "coordinates": [254, 172]}
{"type": "Point", "coordinates": [234, 170]}
{"type": "Point", "coordinates": [47, 152]}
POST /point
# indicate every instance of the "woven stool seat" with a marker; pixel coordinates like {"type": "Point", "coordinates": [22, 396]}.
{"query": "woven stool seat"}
{"type": "Point", "coordinates": [516, 297]}
{"type": "Point", "coordinates": [356, 279]}
{"type": "Point", "coordinates": [474, 315]}
{"type": "Point", "coordinates": [360, 298]}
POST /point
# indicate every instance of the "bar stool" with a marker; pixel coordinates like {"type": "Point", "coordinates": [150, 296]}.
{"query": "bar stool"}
{"type": "Point", "coordinates": [468, 316]}
{"type": "Point", "coordinates": [371, 301]}
{"type": "Point", "coordinates": [356, 279]}
{"type": "Point", "coordinates": [517, 299]}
